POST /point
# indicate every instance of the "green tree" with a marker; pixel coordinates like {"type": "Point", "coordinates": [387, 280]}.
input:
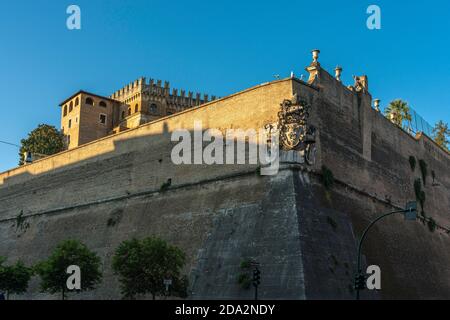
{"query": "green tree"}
{"type": "Point", "coordinates": [398, 111]}
{"type": "Point", "coordinates": [53, 271]}
{"type": "Point", "coordinates": [441, 133]}
{"type": "Point", "coordinates": [143, 266]}
{"type": "Point", "coordinates": [45, 139]}
{"type": "Point", "coordinates": [14, 279]}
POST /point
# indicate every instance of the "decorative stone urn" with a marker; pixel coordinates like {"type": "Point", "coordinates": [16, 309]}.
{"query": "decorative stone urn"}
{"type": "Point", "coordinates": [376, 104]}
{"type": "Point", "coordinates": [315, 55]}
{"type": "Point", "coordinates": [338, 72]}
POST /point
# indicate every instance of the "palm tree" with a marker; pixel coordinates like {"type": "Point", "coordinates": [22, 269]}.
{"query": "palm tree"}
{"type": "Point", "coordinates": [441, 132]}
{"type": "Point", "coordinates": [397, 112]}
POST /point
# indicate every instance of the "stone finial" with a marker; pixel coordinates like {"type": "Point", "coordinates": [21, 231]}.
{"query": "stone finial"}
{"type": "Point", "coordinates": [314, 68]}
{"type": "Point", "coordinates": [376, 104]}
{"type": "Point", "coordinates": [315, 55]}
{"type": "Point", "coordinates": [338, 72]}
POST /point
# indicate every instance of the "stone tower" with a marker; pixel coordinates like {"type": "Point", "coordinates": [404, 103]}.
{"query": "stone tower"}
{"type": "Point", "coordinates": [144, 101]}
{"type": "Point", "coordinates": [86, 117]}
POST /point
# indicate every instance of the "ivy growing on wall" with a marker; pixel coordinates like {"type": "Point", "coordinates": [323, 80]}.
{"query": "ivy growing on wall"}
{"type": "Point", "coordinates": [21, 225]}
{"type": "Point", "coordinates": [412, 162]}
{"type": "Point", "coordinates": [424, 170]}
{"type": "Point", "coordinates": [327, 178]}
{"type": "Point", "coordinates": [431, 224]}
{"type": "Point", "coordinates": [420, 194]}
{"type": "Point", "coordinates": [114, 218]}
{"type": "Point", "coordinates": [165, 186]}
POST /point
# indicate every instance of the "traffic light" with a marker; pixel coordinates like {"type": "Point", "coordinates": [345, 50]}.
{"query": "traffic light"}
{"type": "Point", "coordinates": [360, 281]}
{"type": "Point", "coordinates": [256, 277]}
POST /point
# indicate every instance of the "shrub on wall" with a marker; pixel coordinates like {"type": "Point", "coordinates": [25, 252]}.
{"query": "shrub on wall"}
{"type": "Point", "coordinates": [412, 162]}
{"type": "Point", "coordinates": [423, 170]}
{"type": "Point", "coordinates": [420, 194]}
{"type": "Point", "coordinates": [327, 177]}
{"type": "Point", "coordinates": [431, 224]}
{"type": "Point", "coordinates": [21, 224]}
{"type": "Point", "coordinates": [165, 186]}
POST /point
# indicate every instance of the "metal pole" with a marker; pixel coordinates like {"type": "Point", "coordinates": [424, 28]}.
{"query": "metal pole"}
{"type": "Point", "coordinates": [358, 268]}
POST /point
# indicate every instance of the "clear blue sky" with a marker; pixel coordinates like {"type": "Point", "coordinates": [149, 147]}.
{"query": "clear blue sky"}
{"type": "Point", "coordinates": [217, 47]}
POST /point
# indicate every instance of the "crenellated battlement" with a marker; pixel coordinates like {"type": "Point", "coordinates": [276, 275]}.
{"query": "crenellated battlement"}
{"type": "Point", "coordinates": [155, 88]}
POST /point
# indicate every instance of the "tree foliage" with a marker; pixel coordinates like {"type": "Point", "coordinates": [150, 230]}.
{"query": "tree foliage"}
{"type": "Point", "coordinates": [398, 111]}
{"type": "Point", "coordinates": [70, 252]}
{"type": "Point", "coordinates": [14, 278]}
{"type": "Point", "coordinates": [441, 134]}
{"type": "Point", "coordinates": [45, 139]}
{"type": "Point", "coordinates": [143, 266]}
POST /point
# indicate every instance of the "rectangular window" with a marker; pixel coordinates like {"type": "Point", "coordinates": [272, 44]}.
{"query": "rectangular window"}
{"type": "Point", "coordinates": [102, 118]}
{"type": "Point", "coordinates": [70, 123]}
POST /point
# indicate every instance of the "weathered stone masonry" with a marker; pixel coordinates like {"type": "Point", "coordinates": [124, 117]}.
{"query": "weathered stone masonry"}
{"type": "Point", "coordinates": [302, 234]}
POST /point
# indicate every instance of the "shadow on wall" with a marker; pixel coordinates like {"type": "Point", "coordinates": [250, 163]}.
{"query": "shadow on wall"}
{"type": "Point", "coordinates": [119, 166]}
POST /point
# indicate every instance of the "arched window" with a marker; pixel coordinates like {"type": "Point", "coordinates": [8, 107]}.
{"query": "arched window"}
{"type": "Point", "coordinates": [129, 111]}
{"type": "Point", "coordinates": [136, 107]}
{"type": "Point", "coordinates": [123, 114]}
{"type": "Point", "coordinates": [153, 108]}
{"type": "Point", "coordinates": [77, 102]}
{"type": "Point", "coordinates": [70, 106]}
{"type": "Point", "coordinates": [102, 104]}
{"type": "Point", "coordinates": [65, 111]}
{"type": "Point", "coordinates": [89, 101]}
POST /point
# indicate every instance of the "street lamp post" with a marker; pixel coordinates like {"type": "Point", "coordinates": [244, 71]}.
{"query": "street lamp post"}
{"type": "Point", "coordinates": [410, 214]}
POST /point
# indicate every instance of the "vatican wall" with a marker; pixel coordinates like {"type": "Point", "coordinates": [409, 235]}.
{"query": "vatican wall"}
{"type": "Point", "coordinates": [74, 194]}
{"type": "Point", "coordinates": [369, 158]}
{"type": "Point", "coordinates": [302, 233]}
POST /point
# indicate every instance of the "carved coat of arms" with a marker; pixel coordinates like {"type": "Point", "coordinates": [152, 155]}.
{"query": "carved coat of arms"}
{"type": "Point", "coordinates": [294, 131]}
